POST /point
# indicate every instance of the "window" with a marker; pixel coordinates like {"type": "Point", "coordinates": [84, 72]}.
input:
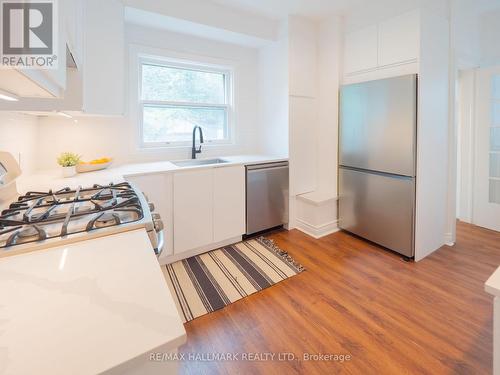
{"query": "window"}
{"type": "Point", "coordinates": [176, 97]}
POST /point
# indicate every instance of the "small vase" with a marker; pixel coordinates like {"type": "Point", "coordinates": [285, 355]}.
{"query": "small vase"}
{"type": "Point", "coordinates": [69, 171]}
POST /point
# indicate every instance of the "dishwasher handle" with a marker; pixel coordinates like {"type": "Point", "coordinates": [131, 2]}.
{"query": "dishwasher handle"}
{"type": "Point", "coordinates": [256, 167]}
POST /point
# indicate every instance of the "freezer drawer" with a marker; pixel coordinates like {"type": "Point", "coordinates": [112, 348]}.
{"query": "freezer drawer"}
{"type": "Point", "coordinates": [378, 207]}
{"type": "Point", "coordinates": [266, 196]}
{"type": "Point", "coordinates": [378, 125]}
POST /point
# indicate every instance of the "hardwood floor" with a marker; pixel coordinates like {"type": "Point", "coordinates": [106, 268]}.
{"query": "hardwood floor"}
{"type": "Point", "coordinates": [392, 317]}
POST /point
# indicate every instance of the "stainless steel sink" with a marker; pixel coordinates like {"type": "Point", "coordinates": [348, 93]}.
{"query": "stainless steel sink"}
{"type": "Point", "coordinates": [195, 162]}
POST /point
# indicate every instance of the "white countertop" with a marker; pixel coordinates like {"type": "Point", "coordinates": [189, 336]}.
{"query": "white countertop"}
{"type": "Point", "coordinates": [53, 179]}
{"type": "Point", "coordinates": [492, 285]}
{"type": "Point", "coordinates": [90, 306]}
{"type": "Point", "coordinates": [85, 308]}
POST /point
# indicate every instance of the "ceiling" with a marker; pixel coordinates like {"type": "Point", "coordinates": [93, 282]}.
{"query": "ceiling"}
{"type": "Point", "coordinates": [317, 9]}
{"type": "Point", "coordinates": [278, 9]}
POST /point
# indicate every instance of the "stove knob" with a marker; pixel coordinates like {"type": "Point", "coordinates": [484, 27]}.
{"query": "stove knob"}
{"type": "Point", "coordinates": [151, 206]}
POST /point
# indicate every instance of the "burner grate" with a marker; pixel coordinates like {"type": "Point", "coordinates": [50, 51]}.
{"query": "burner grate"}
{"type": "Point", "coordinates": [37, 216]}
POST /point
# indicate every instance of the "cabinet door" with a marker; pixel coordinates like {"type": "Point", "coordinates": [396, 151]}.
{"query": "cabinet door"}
{"type": "Point", "coordinates": [158, 188]}
{"type": "Point", "coordinates": [193, 209]}
{"type": "Point", "coordinates": [399, 39]}
{"type": "Point", "coordinates": [360, 51]}
{"type": "Point", "coordinates": [303, 150]}
{"type": "Point", "coordinates": [73, 10]}
{"type": "Point", "coordinates": [302, 57]}
{"type": "Point", "coordinates": [229, 202]}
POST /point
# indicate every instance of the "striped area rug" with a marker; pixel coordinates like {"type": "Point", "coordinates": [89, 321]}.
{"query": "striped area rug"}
{"type": "Point", "coordinates": [210, 281]}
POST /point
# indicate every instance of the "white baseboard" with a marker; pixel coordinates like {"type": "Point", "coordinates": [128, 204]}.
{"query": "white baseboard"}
{"type": "Point", "coordinates": [448, 239]}
{"type": "Point", "coordinates": [317, 231]}
{"type": "Point", "coordinates": [167, 259]}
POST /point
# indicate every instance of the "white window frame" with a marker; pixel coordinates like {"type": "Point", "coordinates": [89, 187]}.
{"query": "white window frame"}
{"type": "Point", "coordinates": [196, 66]}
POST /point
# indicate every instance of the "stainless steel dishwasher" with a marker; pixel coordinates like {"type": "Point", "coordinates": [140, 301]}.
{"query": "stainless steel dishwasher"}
{"type": "Point", "coordinates": [266, 196]}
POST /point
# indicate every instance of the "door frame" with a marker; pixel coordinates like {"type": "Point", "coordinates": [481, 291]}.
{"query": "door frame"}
{"type": "Point", "coordinates": [467, 143]}
{"type": "Point", "coordinates": [466, 134]}
{"type": "Point", "coordinates": [484, 214]}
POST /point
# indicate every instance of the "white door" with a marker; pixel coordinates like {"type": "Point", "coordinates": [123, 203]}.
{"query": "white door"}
{"type": "Point", "coordinates": [486, 201]}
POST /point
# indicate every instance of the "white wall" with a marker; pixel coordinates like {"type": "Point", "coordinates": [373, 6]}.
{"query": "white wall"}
{"type": "Point", "coordinates": [208, 13]}
{"type": "Point", "coordinates": [490, 35]}
{"type": "Point", "coordinates": [19, 136]}
{"type": "Point", "coordinates": [116, 137]}
{"type": "Point", "coordinates": [465, 32]}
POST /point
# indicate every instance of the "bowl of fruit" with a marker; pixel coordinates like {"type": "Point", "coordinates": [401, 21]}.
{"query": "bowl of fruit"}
{"type": "Point", "coordinates": [93, 165]}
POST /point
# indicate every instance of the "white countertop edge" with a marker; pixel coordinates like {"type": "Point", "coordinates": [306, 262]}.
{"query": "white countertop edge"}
{"type": "Point", "coordinates": [53, 179]}
{"type": "Point", "coordinates": [231, 161]}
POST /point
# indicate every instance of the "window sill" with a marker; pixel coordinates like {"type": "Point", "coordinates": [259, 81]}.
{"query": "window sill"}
{"type": "Point", "coordinates": [174, 148]}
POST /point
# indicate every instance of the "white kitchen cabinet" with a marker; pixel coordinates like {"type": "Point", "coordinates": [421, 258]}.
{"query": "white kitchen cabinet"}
{"type": "Point", "coordinates": [74, 28]}
{"type": "Point", "coordinates": [104, 57]}
{"type": "Point", "coordinates": [95, 34]}
{"type": "Point", "coordinates": [201, 209]}
{"type": "Point", "coordinates": [361, 50]}
{"type": "Point", "coordinates": [229, 202]}
{"type": "Point", "coordinates": [302, 57]}
{"type": "Point", "coordinates": [54, 80]}
{"type": "Point", "coordinates": [39, 83]}
{"type": "Point", "coordinates": [159, 190]}
{"type": "Point", "coordinates": [303, 145]}
{"type": "Point", "coordinates": [398, 39]}
{"type": "Point", "coordinates": [27, 84]}
{"type": "Point", "coordinates": [389, 48]}
{"type": "Point", "coordinates": [193, 209]}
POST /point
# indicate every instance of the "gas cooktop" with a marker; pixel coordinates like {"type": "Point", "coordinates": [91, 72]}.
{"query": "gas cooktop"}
{"type": "Point", "coordinates": [38, 216]}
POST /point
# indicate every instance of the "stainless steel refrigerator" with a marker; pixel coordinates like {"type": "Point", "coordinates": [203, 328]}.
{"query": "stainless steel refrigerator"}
{"type": "Point", "coordinates": [377, 161]}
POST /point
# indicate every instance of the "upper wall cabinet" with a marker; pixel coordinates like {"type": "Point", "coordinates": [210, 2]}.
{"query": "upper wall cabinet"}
{"type": "Point", "coordinates": [361, 50]}
{"type": "Point", "coordinates": [302, 57]}
{"type": "Point", "coordinates": [74, 28]}
{"type": "Point", "coordinates": [40, 83]}
{"type": "Point", "coordinates": [392, 42]}
{"type": "Point", "coordinates": [94, 33]}
{"type": "Point", "coordinates": [104, 56]}
{"type": "Point", "coordinates": [398, 39]}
